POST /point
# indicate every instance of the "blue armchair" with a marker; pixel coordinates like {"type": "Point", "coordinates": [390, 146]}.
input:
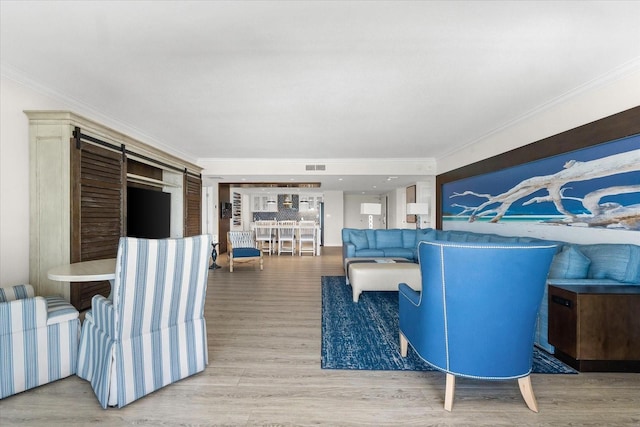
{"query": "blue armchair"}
{"type": "Point", "coordinates": [152, 332]}
{"type": "Point", "coordinates": [476, 314]}
{"type": "Point", "coordinates": [38, 339]}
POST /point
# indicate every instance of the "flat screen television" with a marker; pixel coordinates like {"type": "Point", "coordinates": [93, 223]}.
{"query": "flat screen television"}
{"type": "Point", "coordinates": [148, 213]}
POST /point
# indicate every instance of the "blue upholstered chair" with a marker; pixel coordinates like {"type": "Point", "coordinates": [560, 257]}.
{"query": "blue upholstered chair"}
{"type": "Point", "coordinates": [476, 314]}
{"type": "Point", "coordinates": [241, 247]}
{"type": "Point", "coordinates": [152, 332]}
{"type": "Point", "coordinates": [38, 339]}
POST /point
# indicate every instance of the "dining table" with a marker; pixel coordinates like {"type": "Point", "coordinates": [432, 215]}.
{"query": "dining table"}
{"type": "Point", "coordinates": [85, 271]}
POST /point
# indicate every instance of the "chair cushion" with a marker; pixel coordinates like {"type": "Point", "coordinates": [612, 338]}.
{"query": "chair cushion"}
{"type": "Point", "coordinates": [359, 239]}
{"type": "Point", "coordinates": [569, 264]}
{"type": "Point", "coordinates": [370, 253]}
{"type": "Point", "coordinates": [245, 252]}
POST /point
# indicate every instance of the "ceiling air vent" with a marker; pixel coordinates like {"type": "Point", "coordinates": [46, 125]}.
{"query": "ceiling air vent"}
{"type": "Point", "coordinates": [315, 167]}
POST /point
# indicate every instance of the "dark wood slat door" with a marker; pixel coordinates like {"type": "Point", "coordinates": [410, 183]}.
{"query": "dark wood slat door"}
{"type": "Point", "coordinates": [98, 183]}
{"type": "Point", "coordinates": [192, 206]}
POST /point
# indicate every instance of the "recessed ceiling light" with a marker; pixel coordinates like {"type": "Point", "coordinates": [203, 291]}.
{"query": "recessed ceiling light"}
{"type": "Point", "coordinates": [339, 179]}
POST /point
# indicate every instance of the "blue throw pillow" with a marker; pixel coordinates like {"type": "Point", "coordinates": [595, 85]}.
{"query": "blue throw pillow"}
{"type": "Point", "coordinates": [569, 264]}
{"type": "Point", "coordinates": [620, 262]}
{"type": "Point", "coordinates": [359, 239]}
{"type": "Point", "coordinates": [425, 234]}
{"type": "Point", "coordinates": [388, 239]}
{"type": "Point", "coordinates": [409, 239]}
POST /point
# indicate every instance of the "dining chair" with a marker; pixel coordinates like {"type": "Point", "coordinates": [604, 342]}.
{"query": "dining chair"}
{"type": "Point", "coordinates": [307, 237]}
{"type": "Point", "coordinates": [287, 237]}
{"type": "Point", "coordinates": [476, 314]}
{"type": "Point", "coordinates": [153, 332]}
{"type": "Point", "coordinates": [264, 235]}
{"type": "Point", "coordinates": [38, 339]}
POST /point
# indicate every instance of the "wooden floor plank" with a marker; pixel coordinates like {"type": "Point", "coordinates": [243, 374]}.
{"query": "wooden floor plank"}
{"type": "Point", "coordinates": [264, 369]}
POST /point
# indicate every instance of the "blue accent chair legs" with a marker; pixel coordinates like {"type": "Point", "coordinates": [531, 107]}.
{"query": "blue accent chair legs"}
{"type": "Point", "coordinates": [476, 314]}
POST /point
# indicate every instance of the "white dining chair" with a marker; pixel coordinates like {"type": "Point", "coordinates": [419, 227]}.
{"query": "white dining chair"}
{"type": "Point", "coordinates": [264, 236]}
{"type": "Point", "coordinates": [287, 237]}
{"type": "Point", "coordinates": [307, 237]}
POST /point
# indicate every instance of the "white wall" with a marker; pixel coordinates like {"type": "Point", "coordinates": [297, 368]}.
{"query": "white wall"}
{"type": "Point", "coordinates": [333, 217]}
{"type": "Point", "coordinates": [352, 216]}
{"type": "Point", "coordinates": [210, 213]}
{"type": "Point", "coordinates": [14, 177]}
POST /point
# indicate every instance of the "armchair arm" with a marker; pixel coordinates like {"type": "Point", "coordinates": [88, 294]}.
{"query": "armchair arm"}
{"type": "Point", "coordinates": [22, 314]}
{"type": "Point", "coordinates": [348, 250]}
{"type": "Point", "coordinates": [102, 314]}
{"type": "Point", "coordinates": [409, 294]}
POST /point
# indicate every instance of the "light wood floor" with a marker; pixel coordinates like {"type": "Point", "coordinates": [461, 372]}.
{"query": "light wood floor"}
{"type": "Point", "coordinates": [264, 369]}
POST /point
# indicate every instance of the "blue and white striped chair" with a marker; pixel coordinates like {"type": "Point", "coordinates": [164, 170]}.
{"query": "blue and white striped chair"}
{"type": "Point", "coordinates": [476, 314]}
{"type": "Point", "coordinates": [38, 339]}
{"type": "Point", "coordinates": [152, 332]}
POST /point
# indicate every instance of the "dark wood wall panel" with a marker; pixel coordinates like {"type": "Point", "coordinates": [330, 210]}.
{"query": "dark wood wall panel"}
{"type": "Point", "coordinates": [224, 225]}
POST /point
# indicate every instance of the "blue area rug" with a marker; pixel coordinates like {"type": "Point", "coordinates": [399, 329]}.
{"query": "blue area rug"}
{"type": "Point", "coordinates": [364, 335]}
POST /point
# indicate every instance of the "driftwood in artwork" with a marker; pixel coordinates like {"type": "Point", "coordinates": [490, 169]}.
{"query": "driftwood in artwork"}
{"type": "Point", "coordinates": [602, 214]}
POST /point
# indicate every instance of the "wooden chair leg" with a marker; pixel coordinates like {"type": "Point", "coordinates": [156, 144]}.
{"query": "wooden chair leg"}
{"type": "Point", "coordinates": [261, 262]}
{"type": "Point", "coordinates": [404, 345]}
{"type": "Point", "coordinates": [230, 264]}
{"type": "Point", "coordinates": [527, 393]}
{"type": "Point", "coordinates": [450, 390]}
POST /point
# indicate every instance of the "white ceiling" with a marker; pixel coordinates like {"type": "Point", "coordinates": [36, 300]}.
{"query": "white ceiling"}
{"type": "Point", "coordinates": [315, 79]}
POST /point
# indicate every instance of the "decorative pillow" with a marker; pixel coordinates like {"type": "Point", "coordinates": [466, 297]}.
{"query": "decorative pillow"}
{"type": "Point", "coordinates": [359, 239]}
{"type": "Point", "coordinates": [426, 234]}
{"type": "Point", "coordinates": [408, 238]}
{"type": "Point", "coordinates": [388, 239]}
{"type": "Point", "coordinates": [620, 262]}
{"type": "Point", "coordinates": [569, 264]}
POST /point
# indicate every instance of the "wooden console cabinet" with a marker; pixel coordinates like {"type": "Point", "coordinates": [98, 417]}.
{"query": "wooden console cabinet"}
{"type": "Point", "coordinates": [79, 171]}
{"type": "Point", "coordinates": [596, 328]}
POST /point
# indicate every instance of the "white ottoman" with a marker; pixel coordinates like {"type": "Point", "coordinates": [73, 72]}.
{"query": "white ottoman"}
{"type": "Point", "coordinates": [383, 277]}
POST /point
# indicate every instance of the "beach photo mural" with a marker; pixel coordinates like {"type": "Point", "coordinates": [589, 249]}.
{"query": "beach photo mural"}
{"type": "Point", "coordinates": [597, 186]}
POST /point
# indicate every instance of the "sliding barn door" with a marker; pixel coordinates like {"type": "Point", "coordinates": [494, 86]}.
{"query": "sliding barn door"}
{"type": "Point", "coordinates": [192, 205]}
{"type": "Point", "coordinates": [98, 185]}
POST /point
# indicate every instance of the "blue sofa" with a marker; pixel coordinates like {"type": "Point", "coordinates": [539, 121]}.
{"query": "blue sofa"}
{"type": "Point", "coordinates": [403, 243]}
{"type": "Point", "coordinates": [573, 264]}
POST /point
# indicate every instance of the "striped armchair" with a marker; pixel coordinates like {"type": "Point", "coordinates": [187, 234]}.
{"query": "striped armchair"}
{"type": "Point", "coordinates": [152, 333]}
{"type": "Point", "coordinates": [38, 339]}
